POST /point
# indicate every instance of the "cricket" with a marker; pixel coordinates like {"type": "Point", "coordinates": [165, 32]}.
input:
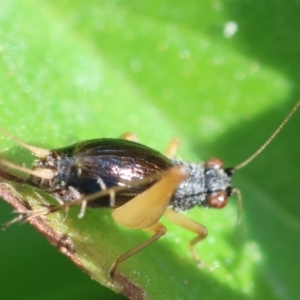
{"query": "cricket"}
{"type": "Point", "coordinates": [138, 183]}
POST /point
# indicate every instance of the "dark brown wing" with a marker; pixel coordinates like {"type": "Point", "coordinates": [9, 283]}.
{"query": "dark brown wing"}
{"type": "Point", "coordinates": [112, 162]}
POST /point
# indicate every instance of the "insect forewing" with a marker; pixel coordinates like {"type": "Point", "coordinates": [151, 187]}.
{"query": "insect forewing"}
{"type": "Point", "coordinates": [147, 208]}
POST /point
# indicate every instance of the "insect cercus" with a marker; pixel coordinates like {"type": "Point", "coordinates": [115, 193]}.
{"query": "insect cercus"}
{"type": "Point", "coordinates": [137, 182]}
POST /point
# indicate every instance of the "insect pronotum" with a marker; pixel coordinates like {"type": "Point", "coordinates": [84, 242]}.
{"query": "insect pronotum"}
{"type": "Point", "coordinates": [137, 182]}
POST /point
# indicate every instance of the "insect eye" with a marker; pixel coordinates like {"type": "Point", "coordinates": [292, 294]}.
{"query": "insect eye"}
{"type": "Point", "coordinates": [217, 200]}
{"type": "Point", "coordinates": [214, 163]}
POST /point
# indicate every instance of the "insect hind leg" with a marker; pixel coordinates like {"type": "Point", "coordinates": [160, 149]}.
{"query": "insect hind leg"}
{"type": "Point", "coordinates": [19, 218]}
{"type": "Point", "coordinates": [27, 215]}
{"type": "Point", "coordinates": [158, 229]}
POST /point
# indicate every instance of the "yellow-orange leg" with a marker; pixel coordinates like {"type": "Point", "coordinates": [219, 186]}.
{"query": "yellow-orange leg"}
{"type": "Point", "coordinates": [129, 136]}
{"type": "Point", "coordinates": [172, 148]}
{"type": "Point", "coordinates": [169, 152]}
{"type": "Point", "coordinates": [190, 225]}
{"type": "Point", "coordinates": [145, 210]}
{"type": "Point", "coordinates": [158, 229]}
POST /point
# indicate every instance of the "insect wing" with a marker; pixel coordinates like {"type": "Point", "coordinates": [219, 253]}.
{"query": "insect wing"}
{"type": "Point", "coordinates": [114, 162]}
{"type": "Point", "coordinates": [146, 209]}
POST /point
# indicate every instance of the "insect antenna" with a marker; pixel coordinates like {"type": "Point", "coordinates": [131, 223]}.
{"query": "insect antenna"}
{"type": "Point", "coordinates": [38, 152]}
{"type": "Point", "coordinates": [231, 170]}
{"type": "Point", "coordinates": [269, 140]}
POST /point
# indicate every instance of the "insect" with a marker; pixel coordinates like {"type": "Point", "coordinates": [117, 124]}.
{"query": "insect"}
{"type": "Point", "coordinates": [137, 182]}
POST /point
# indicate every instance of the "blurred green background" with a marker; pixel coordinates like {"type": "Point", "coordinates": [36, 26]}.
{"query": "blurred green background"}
{"type": "Point", "coordinates": [220, 75]}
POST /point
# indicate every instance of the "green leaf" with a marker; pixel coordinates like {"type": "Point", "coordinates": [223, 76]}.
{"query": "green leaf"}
{"type": "Point", "coordinates": [74, 70]}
